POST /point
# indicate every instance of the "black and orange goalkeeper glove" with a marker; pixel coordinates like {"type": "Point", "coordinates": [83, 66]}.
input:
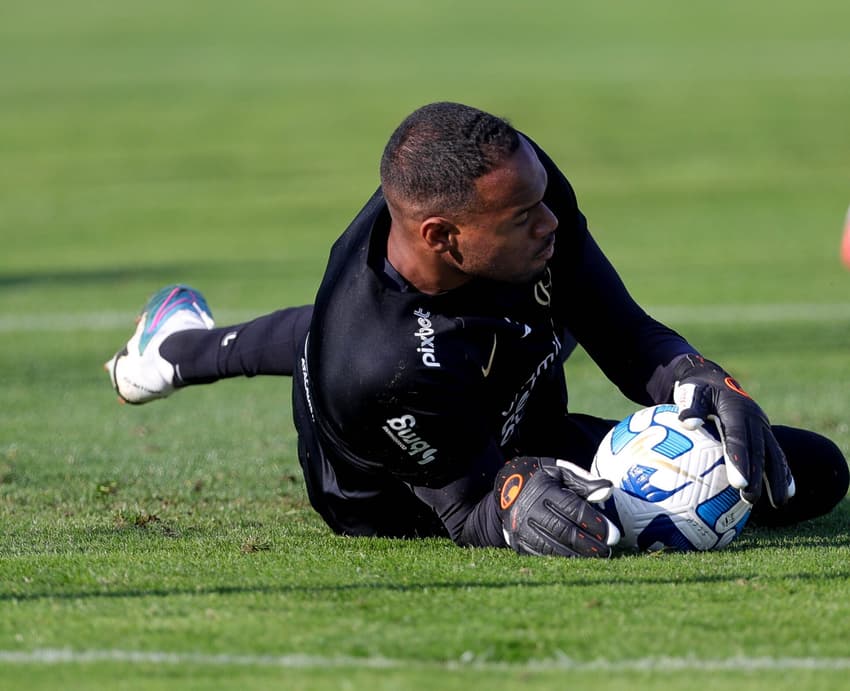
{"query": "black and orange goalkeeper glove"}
{"type": "Point", "coordinates": [545, 508]}
{"type": "Point", "coordinates": [754, 460]}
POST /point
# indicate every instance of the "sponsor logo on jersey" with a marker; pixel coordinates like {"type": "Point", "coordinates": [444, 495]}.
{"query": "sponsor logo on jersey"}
{"type": "Point", "coordinates": [526, 329]}
{"type": "Point", "coordinates": [400, 430]}
{"type": "Point", "coordinates": [425, 334]}
{"type": "Point", "coordinates": [516, 410]}
{"type": "Point", "coordinates": [543, 289]}
{"type": "Point", "coordinates": [306, 377]}
{"type": "Point", "coordinates": [486, 370]}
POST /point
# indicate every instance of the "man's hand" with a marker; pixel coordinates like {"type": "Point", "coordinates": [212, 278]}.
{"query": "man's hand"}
{"type": "Point", "coordinates": [544, 507]}
{"type": "Point", "coordinates": [704, 391]}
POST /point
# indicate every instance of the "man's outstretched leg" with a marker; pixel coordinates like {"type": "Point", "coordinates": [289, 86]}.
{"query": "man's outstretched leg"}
{"type": "Point", "coordinates": [175, 345]}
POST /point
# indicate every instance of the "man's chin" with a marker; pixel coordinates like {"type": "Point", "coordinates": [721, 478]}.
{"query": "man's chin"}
{"type": "Point", "coordinates": [528, 278]}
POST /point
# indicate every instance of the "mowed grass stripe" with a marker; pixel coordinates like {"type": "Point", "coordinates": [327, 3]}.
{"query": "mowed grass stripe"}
{"type": "Point", "coordinates": [55, 656]}
{"type": "Point", "coordinates": [679, 314]}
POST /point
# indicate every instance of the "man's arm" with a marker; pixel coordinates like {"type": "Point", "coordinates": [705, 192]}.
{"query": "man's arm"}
{"type": "Point", "coordinates": [591, 301]}
{"type": "Point", "coordinates": [645, 358]}
{"type": "Point", "coordinates": [466, 506]}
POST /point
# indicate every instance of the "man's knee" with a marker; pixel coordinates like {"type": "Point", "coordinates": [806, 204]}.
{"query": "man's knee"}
{"type": "Point", "coordinates": [820, 472]}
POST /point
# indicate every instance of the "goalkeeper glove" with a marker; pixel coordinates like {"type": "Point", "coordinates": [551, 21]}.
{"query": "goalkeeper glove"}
{"type": "Point", "coordinates": [544, 507]}
{"type": "Point", "coordinates": [704, 391]}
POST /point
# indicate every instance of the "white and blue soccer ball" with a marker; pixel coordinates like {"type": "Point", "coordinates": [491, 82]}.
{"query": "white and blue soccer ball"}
{"type": "Point", "coordinates": [670, 486]}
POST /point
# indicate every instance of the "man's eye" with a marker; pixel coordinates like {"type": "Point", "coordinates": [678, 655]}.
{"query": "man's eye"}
{"type": "Point", "coordinates": [522, 218]}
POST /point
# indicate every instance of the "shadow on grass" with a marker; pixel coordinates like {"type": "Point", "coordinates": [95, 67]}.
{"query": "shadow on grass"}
{"type": "Point", "coordinates": [158, 273]}
{"type": "Point", "coordinates": [282, 589]}
{"type": "Point", "coordinates": [832, 530]}
{"type": "Point", "coordinates": [815, 534]}
{"type": "Point", "coordinates": [765, 538]}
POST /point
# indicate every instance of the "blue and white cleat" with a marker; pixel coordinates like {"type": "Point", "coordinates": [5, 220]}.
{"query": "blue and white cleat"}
{"type": "Point", "coordinates": [138, 372]}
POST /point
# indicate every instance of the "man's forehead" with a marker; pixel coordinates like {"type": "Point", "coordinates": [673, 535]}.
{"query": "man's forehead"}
{"type": "Point", "coordinates": [517, 181]}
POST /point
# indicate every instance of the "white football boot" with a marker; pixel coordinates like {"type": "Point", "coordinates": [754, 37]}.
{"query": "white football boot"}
{"type": "Point", "coordinates": [138, 372]}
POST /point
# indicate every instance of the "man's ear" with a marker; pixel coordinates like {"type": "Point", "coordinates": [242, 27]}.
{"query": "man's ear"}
{"type": "Point", "coordinates": [438, 233]}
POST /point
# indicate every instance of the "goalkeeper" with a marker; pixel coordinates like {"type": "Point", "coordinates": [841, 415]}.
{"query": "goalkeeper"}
{"type": "Point", "coordinates": [429, 394]}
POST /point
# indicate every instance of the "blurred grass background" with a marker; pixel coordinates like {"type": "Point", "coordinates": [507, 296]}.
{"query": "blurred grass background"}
{"type": "Point", "coordinates": [143, 142]}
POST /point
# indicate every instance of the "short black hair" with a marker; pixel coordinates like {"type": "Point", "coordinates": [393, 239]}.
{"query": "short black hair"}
{"type": "Point", "coordinates": [435, 155]}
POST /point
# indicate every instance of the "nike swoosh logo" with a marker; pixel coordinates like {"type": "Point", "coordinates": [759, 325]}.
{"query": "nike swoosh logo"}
{"type": "Point", "coordinates": [486, 370]}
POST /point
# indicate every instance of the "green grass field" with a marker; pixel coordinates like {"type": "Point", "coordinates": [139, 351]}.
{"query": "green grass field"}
{"type": "Point", "coordinates": [227, 145]}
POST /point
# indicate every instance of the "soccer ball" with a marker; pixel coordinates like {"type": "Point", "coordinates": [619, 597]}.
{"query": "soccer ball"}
{"type": "Point", "coordinates": [670, 486]}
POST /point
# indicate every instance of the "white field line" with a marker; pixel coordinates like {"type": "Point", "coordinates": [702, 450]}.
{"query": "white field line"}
{"type": "Point", "coordinates": [672, 314]}
{"type": "Point", "coordinates": [764, 313]}
{"type": "Point", "coordinates": [63, 656]}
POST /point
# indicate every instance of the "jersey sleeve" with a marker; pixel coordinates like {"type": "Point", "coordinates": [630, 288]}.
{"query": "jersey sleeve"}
{"type": "Point", "coordinates": [466, 506]}
{"type": "Point", "coordinates": [632, 349]}
{"type": "Point", "coordinates": [590, 299]}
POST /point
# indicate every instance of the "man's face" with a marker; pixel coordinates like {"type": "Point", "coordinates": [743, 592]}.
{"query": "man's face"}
{"type": "Point", "coordinates": [509, 233]}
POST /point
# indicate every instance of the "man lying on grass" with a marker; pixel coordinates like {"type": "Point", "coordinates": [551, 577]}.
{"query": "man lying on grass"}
{"type": "Point", "coordinates": [428, 388]}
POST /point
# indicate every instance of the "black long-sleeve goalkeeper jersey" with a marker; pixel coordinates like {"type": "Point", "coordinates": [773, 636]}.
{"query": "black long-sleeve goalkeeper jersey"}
{"type": "Point", "coordinates": [408, 404]}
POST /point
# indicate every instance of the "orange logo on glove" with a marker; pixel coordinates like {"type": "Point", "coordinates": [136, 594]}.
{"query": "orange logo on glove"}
{"type": "Point", "coordinates": [510, 490]}
{"type": "Point", "coordinates": [736, 387]}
